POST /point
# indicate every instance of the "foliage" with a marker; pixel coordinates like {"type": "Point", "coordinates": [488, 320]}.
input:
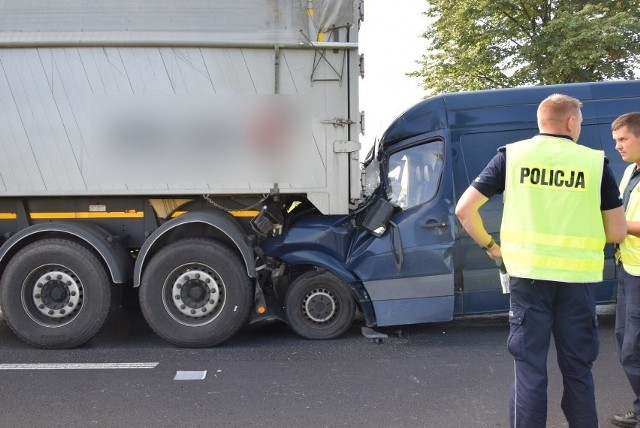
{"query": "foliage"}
{"type": "Point", "coordinates": [480, 44]}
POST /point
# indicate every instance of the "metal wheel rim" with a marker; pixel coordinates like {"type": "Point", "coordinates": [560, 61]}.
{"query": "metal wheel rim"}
{"type": "Point", "coordinates": [194, 294]}
{"type": "Point", "coordinates": [320, 305]}
{"type": "Point", "coordinates": [52, 295]}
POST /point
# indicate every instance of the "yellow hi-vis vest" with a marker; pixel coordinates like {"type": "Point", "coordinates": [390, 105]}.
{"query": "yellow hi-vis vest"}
{"type": "Point", "coordinates": [552, 225]}
{"type": "Point", "coordinates": [629, 251]}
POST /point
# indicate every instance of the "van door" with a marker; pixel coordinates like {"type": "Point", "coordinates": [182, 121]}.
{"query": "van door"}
{"type": "Point", "coordinates": [408, 271]}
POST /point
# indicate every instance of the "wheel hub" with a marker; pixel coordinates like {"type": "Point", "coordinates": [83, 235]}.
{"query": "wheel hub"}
{"type": "Point", "coordinates": [56, 294]}
{"type": "Point", "coordinates": [320, 305]}
{"type": "Point", "coordinates": [196, 293]}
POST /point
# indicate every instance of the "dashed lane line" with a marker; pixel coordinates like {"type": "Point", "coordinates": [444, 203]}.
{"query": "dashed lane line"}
{"type": "Point", "coordinates": [78, 366]}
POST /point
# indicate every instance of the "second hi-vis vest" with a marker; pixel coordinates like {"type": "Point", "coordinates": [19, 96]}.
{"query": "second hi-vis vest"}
{"type": "Point", "coordinates": [630, 248]}
{"type": "Point", "coordinates": [552, 225]}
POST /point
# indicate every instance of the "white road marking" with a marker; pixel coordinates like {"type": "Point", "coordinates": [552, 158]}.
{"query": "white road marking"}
{"type": "Point", "coordinates": [190, 375]}
{"type": "Point", "coordinates": [77, 366]}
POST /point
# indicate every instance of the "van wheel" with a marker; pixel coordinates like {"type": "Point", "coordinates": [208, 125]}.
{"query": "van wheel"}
{"type": "Point", "coordinates": [55, 294]}
{"type": "Point", "coordinates": [319, 306]}
{"type": "Point", "coordinates": [195, 293]}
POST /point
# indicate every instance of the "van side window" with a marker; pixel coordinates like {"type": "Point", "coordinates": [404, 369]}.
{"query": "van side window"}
{"type": "Point", "coordinates": [414, 174]}
{"type": "Point", "coordinates": [479, 148]}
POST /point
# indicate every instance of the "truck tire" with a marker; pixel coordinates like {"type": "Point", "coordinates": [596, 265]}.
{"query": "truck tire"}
{"type": "Point", "coordinates": [319, 306]}
{"type": "Point", "coordinates": [195, 293]}
{"type": "Point", "coordinates": [55, 294]}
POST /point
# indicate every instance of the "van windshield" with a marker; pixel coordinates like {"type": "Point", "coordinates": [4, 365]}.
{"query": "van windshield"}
{"type": "Point", "coordinates": [371, 179]}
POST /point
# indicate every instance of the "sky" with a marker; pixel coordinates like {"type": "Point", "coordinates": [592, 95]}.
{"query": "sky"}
{"type": "Point", "coordinates": [390, 41]}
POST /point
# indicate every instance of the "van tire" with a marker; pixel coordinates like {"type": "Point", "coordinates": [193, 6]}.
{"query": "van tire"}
{"type": "Point", "coordinates": [319, 306]}
{"type": "Point", "coordinates": [55, 294]}
{"type": "Point", "coordinates": [195, 293]}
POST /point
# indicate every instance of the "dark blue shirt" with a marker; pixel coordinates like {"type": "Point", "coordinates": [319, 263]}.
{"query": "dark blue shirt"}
{"type": "Point", "coordinates": [491, 180]}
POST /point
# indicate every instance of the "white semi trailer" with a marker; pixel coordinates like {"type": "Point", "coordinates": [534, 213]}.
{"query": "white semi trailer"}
{"type": "Point", "coordinates": [144, 142]}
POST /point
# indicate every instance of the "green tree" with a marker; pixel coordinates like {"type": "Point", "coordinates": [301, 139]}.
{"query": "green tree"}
{"type": "Point", "coordinates": [481, 44]}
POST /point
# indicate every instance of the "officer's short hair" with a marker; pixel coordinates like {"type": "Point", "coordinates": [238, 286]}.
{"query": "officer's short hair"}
{"type": "Point", "coordinates": [554, 110]}
{"type": "Point", "coordinates": [630, 120]}
{"type": "Point", "coordinates": [561, 105]}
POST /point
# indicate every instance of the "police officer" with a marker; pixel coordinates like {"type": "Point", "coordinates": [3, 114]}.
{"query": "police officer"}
{"type": "Point", "coordinates": [561, 204]}
{"type": "Point", "coordinates": [626, 133]}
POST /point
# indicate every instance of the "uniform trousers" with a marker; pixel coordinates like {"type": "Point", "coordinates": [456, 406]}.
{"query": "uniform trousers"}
{"type": "Point", "coordinates": [628, 330]}
{"type": "Point", "coordinates": [538, 309]}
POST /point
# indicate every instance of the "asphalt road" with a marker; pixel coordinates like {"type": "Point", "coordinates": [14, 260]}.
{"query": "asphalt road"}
{"type": "Point", "coordinates": [454, 374]}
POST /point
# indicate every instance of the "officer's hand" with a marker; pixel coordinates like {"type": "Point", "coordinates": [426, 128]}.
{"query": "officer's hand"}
{"type": "Point", "coordinates": [494, 252]}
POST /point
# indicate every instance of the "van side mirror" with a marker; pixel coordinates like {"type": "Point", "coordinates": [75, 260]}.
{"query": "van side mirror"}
{"type": "Point", "coordinates": [378, 217]}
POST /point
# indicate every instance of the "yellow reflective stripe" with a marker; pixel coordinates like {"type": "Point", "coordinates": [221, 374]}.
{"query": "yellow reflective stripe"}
{"type": "Point", "coordinates": [555, 263]}
{"type": "Point", "coordinates": [86, 214]}
{"type": "Point", "coordinates": [311, 11]}
{"type": "Point", "coordinates": [244, 213]}
{"type": "Point", "coordinates": [105, 214]}
{"type": "Point", "coordinates": [67, 215]}
{"type": "Point", "coordinates": [553, 240]}
{"type": "Point", "coordinates": [233, 213]}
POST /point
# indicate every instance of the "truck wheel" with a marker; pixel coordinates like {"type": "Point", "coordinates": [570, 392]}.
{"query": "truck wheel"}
{"type": "Point", "coordinates": [319, 306]}
{"type": "Point", "coordinates": [55, 294]}
{"type": "Point", "coordinates": [195, 293]}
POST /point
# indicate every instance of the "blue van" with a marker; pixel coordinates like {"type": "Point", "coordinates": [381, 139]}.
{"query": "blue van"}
{"type": "Point", "coordinates": [402, 257]}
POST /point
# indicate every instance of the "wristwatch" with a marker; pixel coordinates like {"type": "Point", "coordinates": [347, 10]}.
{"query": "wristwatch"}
{"type": "Point", "coordinates": [489, 245]}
